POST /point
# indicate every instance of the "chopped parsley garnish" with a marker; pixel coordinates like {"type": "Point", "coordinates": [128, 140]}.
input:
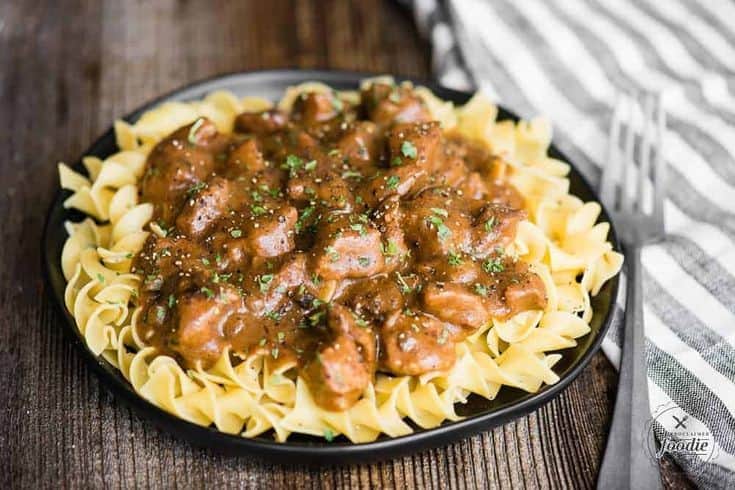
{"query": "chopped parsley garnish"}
{"type": "Point", "coordinates": [192, 137]}
{"type": "Point", "coordinates": [440, 212]}
{"type": "Point", "coordinates": [442, 231]}
{"type": "Point", "coordinates": [454, 258]}
{"type": "Point", "coordinates": [303, 216]}
{"type": "Point", "coordinates": [363, 261]}
{"type": "Point", "coordinates": [162, 225]}
{"type": "Point", "coordinates": [205, 261]}
{"type": "Point", "coordinates": [358, 227]}
{"type": "Point", "coordinates": [281, 337]}
{"type": "Point", "coordinates": [160, 313]}
{"type": "Point", "coordinates": [490, 224]}
{"type": "Point", "coordinates": [390, 249]}
{"type": "Point", "coordinates": [480, 289]}
{"type": "Point", "coordinates": [258, 210]}
{"type": "Point", "coordinates": [310, 165]}
{"type": "Point", "coordinates": [194, 189]}
{"type": "Point", "coordinates": [408, 149]}
{"type": "Point", "coordinates": [262, 342]}
{"type": "Point", "coordinates": [273, 315]}
{"type": "Point", "coordinates": [443, 337]}
{"type": "Point", "coordinates": [337, 104]}
{"type": "Point", "coordinates": [292, 164]}
{"type": "Point", "coordinates": [264, 282]}
{"type": "Point", "coordinates": [218, 258]}
{"type": "Point", "coordinates": [207, 292]}
{"type": "Point", "coordinates": [256, 196]}
{"type": "Point", "coordinates": [171, 300]}
{"type": "Point", "coordinates": [315, 318]}
{"type": "Point", "coordinates": [100, 277]}
{"type": "Point", "coordinates": [351, 174]}
{"type": "Point", "coordinates": [315, 279]}
{"type": "Point", "coordinates": [332, 253]}
{"type": "Point", "coordinates": [328, 435]}
{"type": "Point", "coordinates": [405, 288]}
{"type": "Point", "coordinates": [273, 192]}
{"type": "Point", "coordinates": [236, 233]}
{"type": "Point", "coordinates": [274, 353]}
{"type": "Point", "coordinates": [333, 152]}
{"type": "Point", "coordinates": [396, 162]}
{"type": "Point", "coordinates": [360, 321]}
{"type": "Point", "coordinates": [393, 182]}
{"type": "Point", "coordinates": [493, 265]}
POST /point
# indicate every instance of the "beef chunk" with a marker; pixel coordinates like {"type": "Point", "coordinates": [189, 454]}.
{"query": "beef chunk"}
{"type": "Point", "coordinates": [178, 164]}
{"type": "Point", "coordinates": [344, 364]}
{"type": "Point", "coordinates": [385, 104]}
{"type": "Point", "coordinates": [413, 343]}
{"type": "Point", "coordinates": [347, 248]}
{"type": "Point", "coordinates": [455, 303]}
{"type": "Point", "coordinates": [326, 187]}
{"type": "Point", "coordinates": [494, 226]}
{"type": "Point", "coordinates": [415, 144]}
{"type": "Point", "coordinates": [436, 223]}
{"type": "Point", "coordinates": [246, 155]}
{"type": "Point", "coordinates": [312, 108]}
{"type": "Point", "coordinates": [526, 292]}
{"type": "Point", "coordinates": [374, 300]}
{"type": "Point", "coordinates": [271, 234]}
{"type": "Point", "coordinates": [202, 316]}
{"type": "Point", "coordinates": [388, 217]}
{"type": "Point", "coordinates": [264, 122]}
{"type": "Point", "coordinates": [271, 281]}
{"type": "Point", "coordinates": [204, 207]}
{"type": "Point", "coordinates": [360, 143]}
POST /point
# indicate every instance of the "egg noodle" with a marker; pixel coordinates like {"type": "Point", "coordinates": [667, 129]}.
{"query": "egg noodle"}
{"type": "Point", "coordinates": [560, 241]}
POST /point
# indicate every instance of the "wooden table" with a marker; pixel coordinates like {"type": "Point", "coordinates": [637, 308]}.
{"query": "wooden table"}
{"type": "Point", "coordinates": [67, 69]}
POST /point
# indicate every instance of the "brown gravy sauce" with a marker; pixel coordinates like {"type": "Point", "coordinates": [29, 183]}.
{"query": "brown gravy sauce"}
{"type": "Point", "coordinates": [350, 239]}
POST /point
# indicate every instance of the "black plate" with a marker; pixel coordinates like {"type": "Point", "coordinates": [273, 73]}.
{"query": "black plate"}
{"type": "Point", "coordinates": [481, 414]}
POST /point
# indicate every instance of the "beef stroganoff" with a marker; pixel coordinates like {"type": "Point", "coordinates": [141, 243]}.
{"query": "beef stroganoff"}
{"type": "Point", "coordinates": [332, 265]}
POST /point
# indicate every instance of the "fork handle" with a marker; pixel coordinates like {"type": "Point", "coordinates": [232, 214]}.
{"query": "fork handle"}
{"type": "Point", "coordinates": [627, 463]}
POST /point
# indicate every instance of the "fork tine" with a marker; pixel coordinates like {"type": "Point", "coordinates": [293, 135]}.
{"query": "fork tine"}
{"type": "Point", "coordinates": [659, 176]}
{"type": "Point", "coordinates": [611, 168]}
{"type": "Point", "coordinates": [645, 155]}
{"type": "Point", "coordinates": [626, 200]}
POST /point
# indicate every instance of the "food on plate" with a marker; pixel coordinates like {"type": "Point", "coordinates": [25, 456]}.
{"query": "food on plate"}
{"type": "Point", "coordinates": [333, 264]}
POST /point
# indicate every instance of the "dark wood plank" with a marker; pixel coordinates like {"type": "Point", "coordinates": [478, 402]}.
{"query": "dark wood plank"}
{"type": "Point", "coordinates": [67, 69]}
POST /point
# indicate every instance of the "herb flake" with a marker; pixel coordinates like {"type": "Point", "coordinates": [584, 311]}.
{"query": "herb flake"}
{"type": "Point", "coordinates": [455, 259]}
{"type": "Point", "coordinates": [408, 149]}
{"type": "Point", "coordinates": [192, 136]}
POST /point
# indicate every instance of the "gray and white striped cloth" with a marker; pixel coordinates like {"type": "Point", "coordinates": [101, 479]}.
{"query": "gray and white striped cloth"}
{"type": "Point", "coordinates": [567, 59]}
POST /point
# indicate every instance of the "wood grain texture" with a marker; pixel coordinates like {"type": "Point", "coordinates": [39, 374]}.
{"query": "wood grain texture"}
{"type": "Point", "coordinates": [67, 69]}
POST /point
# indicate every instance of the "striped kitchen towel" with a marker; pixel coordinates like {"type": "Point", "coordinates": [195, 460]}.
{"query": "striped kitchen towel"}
{"type": "Point", "coordinates": [567, 59]}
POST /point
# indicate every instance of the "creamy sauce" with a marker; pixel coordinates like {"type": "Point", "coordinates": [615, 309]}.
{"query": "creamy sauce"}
{"type": "Point", "coordinates": [350, 239]}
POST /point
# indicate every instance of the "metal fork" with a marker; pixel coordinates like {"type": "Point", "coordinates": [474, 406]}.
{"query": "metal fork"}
{"type": "Point", "coordinates": [639, 220]}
